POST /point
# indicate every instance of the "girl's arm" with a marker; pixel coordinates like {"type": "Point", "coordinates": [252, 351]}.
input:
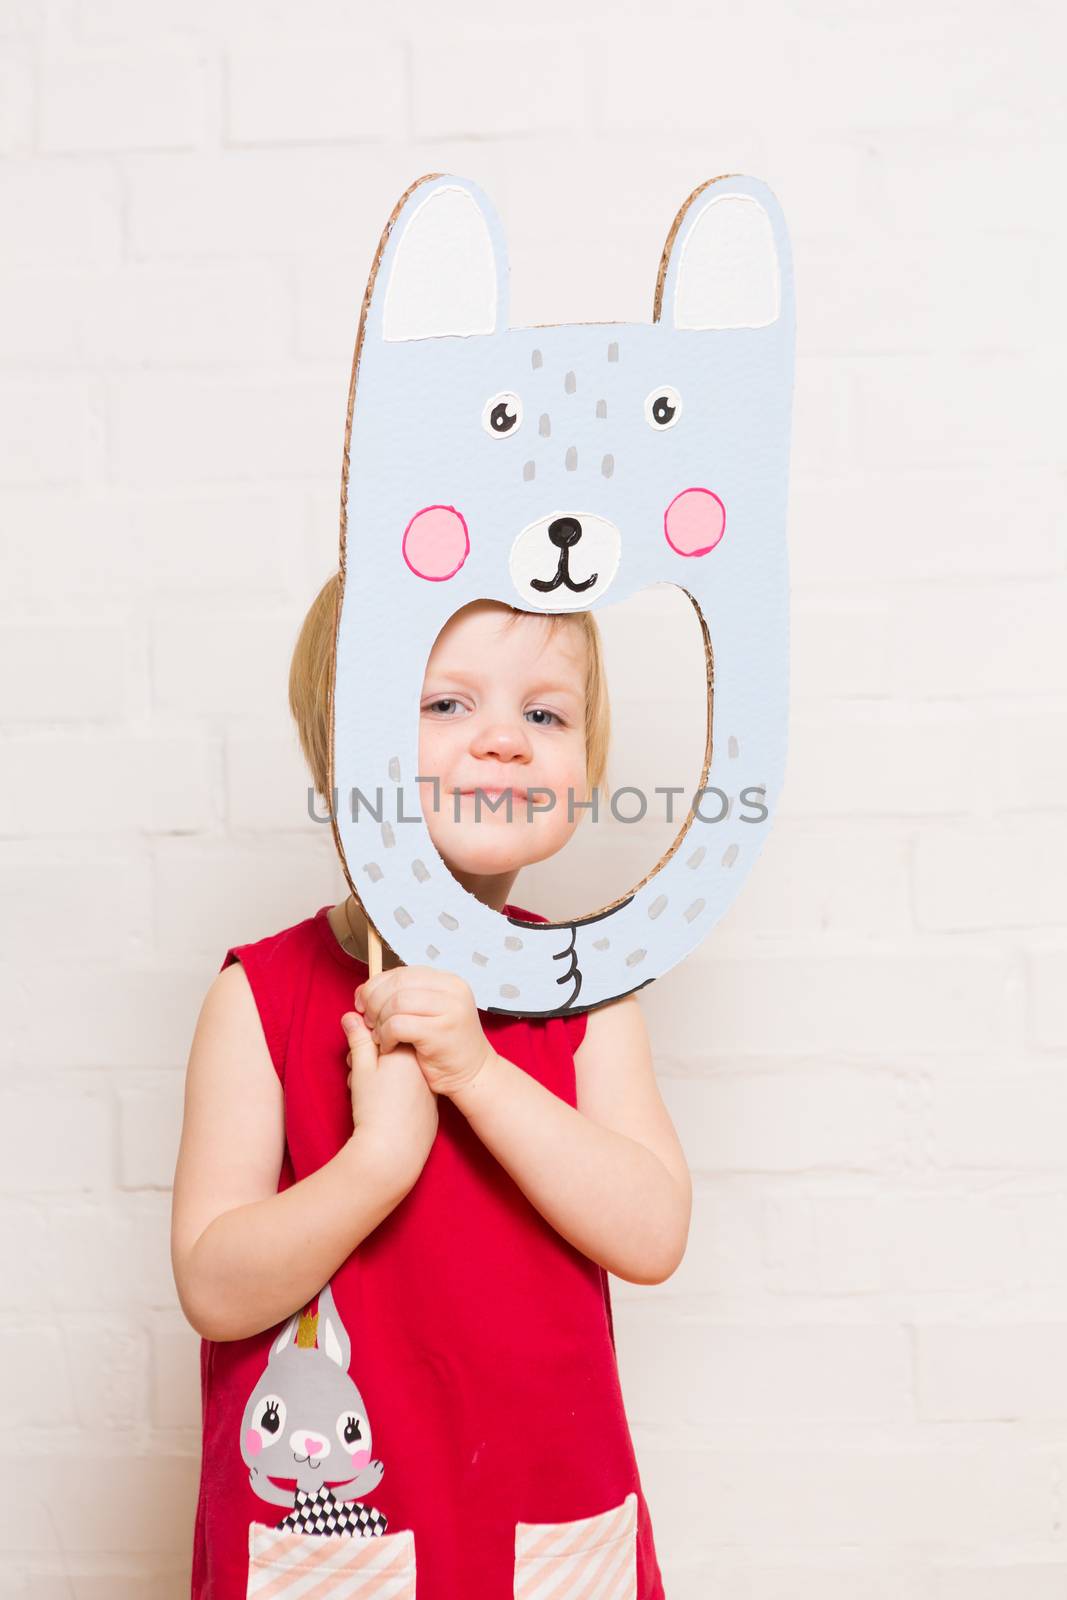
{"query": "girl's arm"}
{"type": "Point", "coordinates": [610, 1176]}
{"type": "Point", "coordinates": [244, 1256]}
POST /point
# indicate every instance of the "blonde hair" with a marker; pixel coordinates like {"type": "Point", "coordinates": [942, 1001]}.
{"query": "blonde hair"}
{"type": "Point", "coordinates": [311, 673]}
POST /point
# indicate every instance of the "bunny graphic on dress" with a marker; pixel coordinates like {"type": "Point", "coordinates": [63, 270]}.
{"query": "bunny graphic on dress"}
{"type": "Point", "coordinates": [306, 1420]}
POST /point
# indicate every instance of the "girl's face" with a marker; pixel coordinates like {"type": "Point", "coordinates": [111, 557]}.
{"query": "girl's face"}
{"type": "Point", "coordinates": [502, 708]}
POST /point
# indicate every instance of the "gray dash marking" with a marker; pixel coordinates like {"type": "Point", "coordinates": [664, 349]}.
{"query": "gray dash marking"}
{"type": "Point", "coordinates": [373, 871]}
{"type": "Point", "coordinates": [730, 855]}
{"type": "Point", "coordinates": [511, 943]}
{"type": "Point", "coordinates": [570, 383]}
{"type": "Point", "coordinates": [448, 921]}
{"type": "Point", "coordinates": [607, 466]}
{"type": "Point", "coordinates": [571, 459]}
{"type": "Point", "coordinates": [536, 359]}
{"type": "Point", "coordinates": [613, 352]}
{"type": "Point", "coordinates": [601, 944]}
{"type": "Point", "coordinates": [394, 769]}
{"type": "Point", "coordinates": [544, 426]}
{"type": "Point", "coordinates": [388, 836]}
{"type": "Point", "coordinates": [694, 910]}
{"type": "Point", "coordinates": [432, 951]}
{"type": "Point", "coordinates": [479, 960]}
{"type": "Point", "coordinates": [635, 956]}
{"type": "Point", "coordinates": [421, 870]}
{"type": "Point", "coordinates": [601, 408]}
{"type": "Point", "coordinates": [508, 991]}
{"type": "Point", "coordinates": [697, 857]}
{"type": "Point", "coordinates": [404, 918]}
{"type": "Point", "coordinates": [732, 748]}
{"type": "Point", "coordinates": [657, 905]}
{"type": "Point", "coordinates": [529, 471]}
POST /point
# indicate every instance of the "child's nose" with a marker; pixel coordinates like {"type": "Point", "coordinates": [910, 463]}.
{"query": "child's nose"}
{"type": "Point", "coordinates": [503, 739]}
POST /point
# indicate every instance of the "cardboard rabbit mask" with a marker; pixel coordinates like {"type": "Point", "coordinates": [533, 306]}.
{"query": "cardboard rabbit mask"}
{"type": "Point", "coordinates": [561, 469]}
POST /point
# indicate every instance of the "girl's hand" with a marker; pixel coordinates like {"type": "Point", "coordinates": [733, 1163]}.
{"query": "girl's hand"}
{"type": "Point", "coordinates": [392, 1105]}
{"type": "Point", "coordinates": [436, 1014]}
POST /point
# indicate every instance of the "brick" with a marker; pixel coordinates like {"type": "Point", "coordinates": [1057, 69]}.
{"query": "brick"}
{"type": "Point", "coordinates": [274, 882]}
{"type": "Point", "coordinates": [745, 1372]}
{"type": "Point", "coordinates": [1048, 997]}
{"type": "Point", "coordinates": [32, 448]}
{"type": "Point", "coordinates": [78, 1149]}
{"type": "Point", "coordinates": [821, 1243]}
{"type": "Point", "coordinates": [787, 1122]}
{"type": "Point", "coordinates": [102, 783]}
{"type": "Point", "coordinates": [1006, 874]}
{"type": "Point", "coordinates": [1025, 1579]}
{"type": "Point", "coordinates": [149, 1128]}
{"type": "Point", "coordinates": [74, 898]}
{"type": "Point", "coordinates": [231, 429]}
{"type": "Point", "coordinates": [876, 1001]}
{"type": "Point", "coordinates": [939, 410]}
{"type": "Point", "coordinates": [39, 319]}
{"type": "Point", "coordinates": [62, 208]}
{"type": "Point", "coordinates": [267, 780]}
{"type": "Point", "coordinates": [175, 1352]}
{"type": "Point", "coordinates": [207, 315]}
{"type": "Point", "coordinates": [148, 100]}
{"type": "Point", "coordinates": [935, 292]}
{"type": "Point", "coordinates": [865, 759]}
{"type": "Point", "coordinates": [488, 83]}
{"type": "Point", "coordinates": [1013, 1121]}
{"type": "Point", "coordinates": [125, 1498]}
{"type": "Point", "coordinates": [261, 203]}
{"type": "Point", "coordinates": [240, 664]}
{"type": "Point", "coordinates": [109, 1255]}
{"type": "Point", "coordinates": [908, 525]}
{"type": "Point", "coordinates": [107, 1360]}
{"type": "Point", "coordinates": [111, 547]}
{"type": "Point", "coordinates": [309, 90]}
{"type": "Point", "coordinates": [1002, 1372]}
{"type": "Point", "coordinates": [16, 102]}
{"type": "Point", "coordinates": [62, 672]}
{"type": "Point", "coordinates": [43, 1397]}
{"type": "Point", "coordinates": [127, 1016]}
{"type": "Point", "coordinates": [925, 642]}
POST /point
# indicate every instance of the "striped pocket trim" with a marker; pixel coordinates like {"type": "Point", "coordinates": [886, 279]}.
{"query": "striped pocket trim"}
{"type": "Point", "coordinates": [593, 1558]}
{"type": "Point", "coordinates": [286, 1565]}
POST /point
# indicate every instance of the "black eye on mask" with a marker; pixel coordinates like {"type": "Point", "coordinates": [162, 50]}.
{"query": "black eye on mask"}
{"type": "Point", "coordinates": [663, 407]}
{"type": "Point", "coordinates": [502, 414]}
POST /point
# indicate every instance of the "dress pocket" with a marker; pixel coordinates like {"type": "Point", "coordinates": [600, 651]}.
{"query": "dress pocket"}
{"type": "Point", "coordinates": [593, 1557]}
{"type": "Point", "coordinates": [285, 1565]}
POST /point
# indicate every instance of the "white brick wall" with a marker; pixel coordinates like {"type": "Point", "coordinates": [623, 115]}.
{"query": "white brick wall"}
{"type": "Point", "coordinates": [853, 1387]}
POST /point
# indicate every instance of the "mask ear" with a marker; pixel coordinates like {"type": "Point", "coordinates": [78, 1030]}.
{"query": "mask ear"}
{"type": "Point", "coordinates": [443, 267]}
{"type": "Point", "coordinates": [721, 268]}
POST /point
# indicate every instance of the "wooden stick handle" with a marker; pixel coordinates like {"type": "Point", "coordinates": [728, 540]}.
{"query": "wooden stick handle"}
{"type": "Point", "coordinates": [374, 952]}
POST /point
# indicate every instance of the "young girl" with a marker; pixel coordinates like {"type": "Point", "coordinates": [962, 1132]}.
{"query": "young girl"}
{"type": "Point", "coordinates": [450, 1188]}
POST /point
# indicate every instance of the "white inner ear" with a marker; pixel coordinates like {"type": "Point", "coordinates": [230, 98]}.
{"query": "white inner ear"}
{"type": "Point", "coordinates": [329, 1342]}
{"type": "Point", "coordinates": [443, 277]}
{"type": "Point", "coordinates": [728, 272]}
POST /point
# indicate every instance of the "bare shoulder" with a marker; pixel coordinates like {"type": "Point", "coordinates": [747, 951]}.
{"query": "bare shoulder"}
{"type": "Point", "coordinates": [233, 1124]}
{"type": "Point", "coordinates": [617, 1025]}
{"type": "Point", "coordinates": [616, 1081]}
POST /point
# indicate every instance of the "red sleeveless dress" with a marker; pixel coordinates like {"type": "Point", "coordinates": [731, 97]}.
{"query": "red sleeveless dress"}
{"type": "Point", "coordinates": [445, 1422]}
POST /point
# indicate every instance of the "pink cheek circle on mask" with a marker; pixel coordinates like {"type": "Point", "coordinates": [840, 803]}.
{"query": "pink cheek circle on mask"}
{"type": "Point", "coordinates": [360, 1459]}
{"type": "Point", "coordinates": [436, 543]}
{"type": "Point", "coordinates": [253, 1442]}
{"type": "Point", "coordinates": [694, 522]}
